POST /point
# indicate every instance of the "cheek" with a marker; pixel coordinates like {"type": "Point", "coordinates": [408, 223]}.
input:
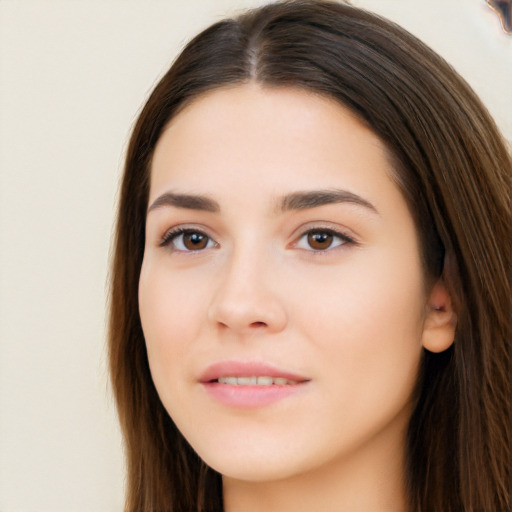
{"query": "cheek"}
{"type": "Point", "coordinates": [366, 323]}
{"type": "Point", "coordinates": [170, 311]}
{"type": "Point", "coordinates": [366, 300]}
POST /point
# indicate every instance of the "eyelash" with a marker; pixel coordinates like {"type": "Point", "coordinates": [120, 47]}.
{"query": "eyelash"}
{"type": "Point", "coordinates": [172, 235]}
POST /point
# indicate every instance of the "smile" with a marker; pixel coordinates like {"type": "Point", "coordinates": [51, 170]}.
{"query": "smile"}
{"type": "Point", "coordinates": [256, 381]}
{"type": "Point", "coordinates": [250, 384]}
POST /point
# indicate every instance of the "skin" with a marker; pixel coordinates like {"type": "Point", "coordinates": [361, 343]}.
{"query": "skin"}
{"type": "Point", "coordinates": [352, 318]}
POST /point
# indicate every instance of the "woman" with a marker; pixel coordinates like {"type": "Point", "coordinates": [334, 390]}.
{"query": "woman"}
{"type": "Point", "coordinates": [310, 288]}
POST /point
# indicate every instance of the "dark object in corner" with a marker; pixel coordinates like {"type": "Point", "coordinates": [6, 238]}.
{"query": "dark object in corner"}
{"type": "Point", "coordinates": [503, 8]}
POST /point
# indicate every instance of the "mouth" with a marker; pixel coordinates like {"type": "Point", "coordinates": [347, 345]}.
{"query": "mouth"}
{"type": "Point", "coordinates": [256, 381]}
{"type": "Point", "coordinates": [242, 384]}
{"type": "Point", "coordinates": [249, 373]}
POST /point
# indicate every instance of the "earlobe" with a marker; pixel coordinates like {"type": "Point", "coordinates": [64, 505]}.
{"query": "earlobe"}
{"type": "Point", "coordinates": [440, 320]}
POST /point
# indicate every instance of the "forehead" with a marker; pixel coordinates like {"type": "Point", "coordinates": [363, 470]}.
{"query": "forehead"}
{"type": "Point", "coordinates": [268, 140]}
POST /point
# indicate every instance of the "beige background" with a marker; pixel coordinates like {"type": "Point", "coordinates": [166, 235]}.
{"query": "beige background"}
{"type": "Point", "coordinates": [73, 75]}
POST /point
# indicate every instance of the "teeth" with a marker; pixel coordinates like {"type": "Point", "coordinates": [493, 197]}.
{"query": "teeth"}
{"type": "Point", "coordinates": [256, 381]}
{"type": "Point", "coordinates": [247, 381]}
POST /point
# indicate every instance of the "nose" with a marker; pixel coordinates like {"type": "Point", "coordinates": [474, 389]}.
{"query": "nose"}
{"type": "Point", "coordinates": [247, 298]}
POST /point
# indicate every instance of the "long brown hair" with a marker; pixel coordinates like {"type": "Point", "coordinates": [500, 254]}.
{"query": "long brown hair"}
{"type": "Point", "coordinates": [454, 170]}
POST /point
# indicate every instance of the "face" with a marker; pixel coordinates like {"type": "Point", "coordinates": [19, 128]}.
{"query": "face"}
{"type": "Point", "coordinates": [281, 294]}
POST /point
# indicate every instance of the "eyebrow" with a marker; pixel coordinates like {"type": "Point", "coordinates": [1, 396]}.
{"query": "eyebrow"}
{"type": "Point", "coordinates": [316, 198]}
{"type": "Point", "coordinates": [187, 201]}
{"type": "Point", "coordinates": [294, 201]}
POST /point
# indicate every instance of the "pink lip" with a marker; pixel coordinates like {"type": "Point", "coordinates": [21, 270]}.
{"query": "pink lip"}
{"type": "Point", "coordinates": [246, 369]}
{"type": "Point", "coordinates": [247, 397]}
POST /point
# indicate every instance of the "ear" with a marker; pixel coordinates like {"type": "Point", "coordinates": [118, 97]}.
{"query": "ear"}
{"type": "Point", "coordinates": [440, 320]}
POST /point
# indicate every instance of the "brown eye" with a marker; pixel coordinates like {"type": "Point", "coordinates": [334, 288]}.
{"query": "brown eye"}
{"type": "Point", "coordinates": [187, 240]}
{"type": "Point", "coordinates": [323, 240]}
{"type": "Point", "coordinates": [320, 240]}
{"type": "Point", "coordinates": [194, 241]}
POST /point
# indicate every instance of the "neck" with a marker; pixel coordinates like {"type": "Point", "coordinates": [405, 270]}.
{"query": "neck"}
{"type": "Point", "coordinates": [370, 478]}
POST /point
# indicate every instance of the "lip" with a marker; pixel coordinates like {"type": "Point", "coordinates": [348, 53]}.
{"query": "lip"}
{"type": "Point", "coordinates": [246, 369]}
{"type": "Point", "coordinates": [247, 397]}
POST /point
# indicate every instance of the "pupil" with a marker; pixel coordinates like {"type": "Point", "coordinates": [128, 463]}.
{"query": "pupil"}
{"type": "Point", "coordinates": [319, 240]}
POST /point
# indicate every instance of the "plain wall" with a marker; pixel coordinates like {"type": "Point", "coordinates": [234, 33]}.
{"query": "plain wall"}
{"type": "Point", "coordinates": [73, 75]}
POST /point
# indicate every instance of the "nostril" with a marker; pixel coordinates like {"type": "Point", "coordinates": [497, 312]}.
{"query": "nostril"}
{"type": "Point", "coordinates": [258, 324]}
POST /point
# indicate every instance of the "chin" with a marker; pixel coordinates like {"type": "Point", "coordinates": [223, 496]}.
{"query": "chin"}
{"type": "Point", "coordinates": [254, 469]}
{"type": "Point", "coordinates": [261, 460]}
